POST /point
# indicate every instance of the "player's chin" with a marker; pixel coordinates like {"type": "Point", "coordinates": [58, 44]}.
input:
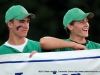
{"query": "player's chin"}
{"type": "Point", "coordinates": [24, 35]}
{"type": "Point", "coordinates": [85, 36]}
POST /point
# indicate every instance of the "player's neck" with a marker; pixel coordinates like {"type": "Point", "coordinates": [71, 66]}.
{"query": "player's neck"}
{"type": "Point", "coordinates": [77, 39]}
{"type": "Point", "coordinates": [13, 40]}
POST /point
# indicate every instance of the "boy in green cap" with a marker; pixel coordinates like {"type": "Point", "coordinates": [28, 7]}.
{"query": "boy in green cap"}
{"type": "Point", "coordinates": [17, 19]}
{"type": "Point", "coordinates": [75, 22]}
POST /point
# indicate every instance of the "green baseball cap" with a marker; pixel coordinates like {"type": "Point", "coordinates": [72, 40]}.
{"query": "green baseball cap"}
{"type": "Point", "coordinates": [17, 12]}
{"type": "Point", "coordinates": [75, 14]}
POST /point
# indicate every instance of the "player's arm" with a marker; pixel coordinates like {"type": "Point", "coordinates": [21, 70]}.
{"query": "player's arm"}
{"type": "Point", "coordinates": [53, 43]}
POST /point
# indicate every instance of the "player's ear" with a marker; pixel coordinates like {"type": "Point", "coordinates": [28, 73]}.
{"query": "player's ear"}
{"type": "Point", "coordinates": [10, 24]}
{"type": "Point", "coordinates": [70, 27]}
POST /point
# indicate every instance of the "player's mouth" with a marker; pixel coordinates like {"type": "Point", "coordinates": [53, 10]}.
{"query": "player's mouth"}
{"type": "Point", "coordinates": [85, 29]}
{"type": "Point", "coordinates": [24, 30]}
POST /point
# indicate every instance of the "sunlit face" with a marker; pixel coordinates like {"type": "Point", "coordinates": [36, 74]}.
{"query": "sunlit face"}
{"type": "Point", "coordinates": [80, 28]}
{"type": "Point", "coordinates": [21, 31]}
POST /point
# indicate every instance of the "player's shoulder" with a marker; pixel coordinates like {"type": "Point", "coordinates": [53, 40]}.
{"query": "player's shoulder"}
{"type": "Point", "coordinates": [3, 47]}
{"type": "Point", "coordinates": [92, 42]}
{"type": "Point", "coordinates": [32, 42]}
{"type": "Point", "coordinates": [35, 45]}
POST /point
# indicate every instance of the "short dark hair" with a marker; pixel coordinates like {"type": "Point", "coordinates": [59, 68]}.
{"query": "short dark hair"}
{"type": "Point", "coordinates": [12, 20]}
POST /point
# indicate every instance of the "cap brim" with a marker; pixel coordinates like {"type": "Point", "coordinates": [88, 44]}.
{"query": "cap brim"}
{"type": "Point", "coordinates": [90, 15]}
{"type": "Point", "coordinates": [86, 15]}
{"type": "Point", "coordinates": [31, 15]}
